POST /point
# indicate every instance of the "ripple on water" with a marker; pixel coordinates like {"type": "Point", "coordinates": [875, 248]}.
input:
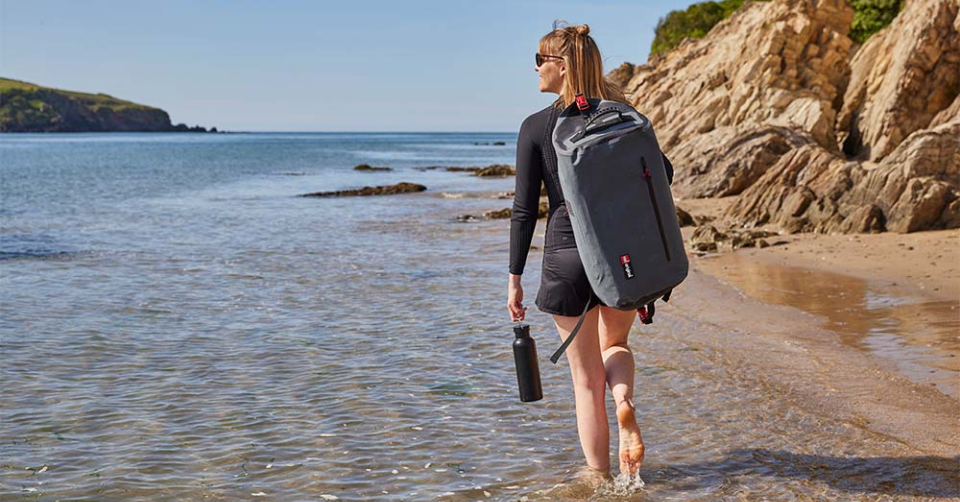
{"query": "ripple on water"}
{"type": "Point", "coordinates": [237, 349]}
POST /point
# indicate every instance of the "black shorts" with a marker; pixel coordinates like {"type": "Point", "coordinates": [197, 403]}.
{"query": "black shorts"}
{"type": "Point", "coordinates": [564, 287]}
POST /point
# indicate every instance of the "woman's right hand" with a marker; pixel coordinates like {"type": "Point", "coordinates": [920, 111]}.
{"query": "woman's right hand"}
{"type": "Point", "coordinates": [515, 299]}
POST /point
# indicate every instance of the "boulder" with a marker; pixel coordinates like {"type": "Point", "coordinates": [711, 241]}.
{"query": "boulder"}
{"type": "Point", "coordinates": [706, 238]}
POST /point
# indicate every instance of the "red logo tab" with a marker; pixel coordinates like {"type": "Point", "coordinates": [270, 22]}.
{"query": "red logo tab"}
{"type": "Point", "coordinates": [627, 268]}
{"type": "Point", "coordinates": [582, 103]}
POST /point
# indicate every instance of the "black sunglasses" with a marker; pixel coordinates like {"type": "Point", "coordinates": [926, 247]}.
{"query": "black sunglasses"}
{"type": "Point", "coordinates": [541, 58]}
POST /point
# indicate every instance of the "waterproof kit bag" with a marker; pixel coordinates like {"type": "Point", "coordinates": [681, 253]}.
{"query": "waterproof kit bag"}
{"type": "Point", "coordinates": [619, 201]}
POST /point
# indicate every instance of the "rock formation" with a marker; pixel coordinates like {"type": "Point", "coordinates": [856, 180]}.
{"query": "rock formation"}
{"type": "Point", "coordinates": [496, 170]}
{"type": "Point", "coordinates": [500, 214]}
{"type": "Point", "coordinates": [493, 170]}
{"type": "Point", "coordinates": [779, 107]}
{"type": "Point", "coordinates": [402, 187]}
{"type": "Point", "coordinates": [901, 78]}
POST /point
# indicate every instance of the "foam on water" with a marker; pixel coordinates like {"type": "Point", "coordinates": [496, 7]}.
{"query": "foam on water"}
{"type": "Point", "coordinates": [622, 486]}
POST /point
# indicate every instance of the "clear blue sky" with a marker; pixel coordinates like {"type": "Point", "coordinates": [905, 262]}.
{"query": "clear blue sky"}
{"type": "Point", "coordinates": [451, 65]}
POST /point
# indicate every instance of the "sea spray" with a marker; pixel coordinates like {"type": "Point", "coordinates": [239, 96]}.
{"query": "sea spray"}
{"type": "Point", "coordinates": [624, 484]}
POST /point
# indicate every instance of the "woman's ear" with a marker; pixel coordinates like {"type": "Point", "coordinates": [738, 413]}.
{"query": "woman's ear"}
{"type": "Point", "coordinates": [563, 70]}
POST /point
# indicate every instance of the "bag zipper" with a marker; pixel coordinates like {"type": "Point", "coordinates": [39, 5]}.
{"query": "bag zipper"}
{"type": "Point", "coordinates": [656, 207]}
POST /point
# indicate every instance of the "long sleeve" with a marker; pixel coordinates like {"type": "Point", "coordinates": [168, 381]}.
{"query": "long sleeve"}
{"type": "Point", "coordinates": [526, 197]}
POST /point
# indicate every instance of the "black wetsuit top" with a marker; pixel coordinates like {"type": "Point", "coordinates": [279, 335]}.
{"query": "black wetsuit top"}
{"type": "Point", "coordinates": [536, 164]}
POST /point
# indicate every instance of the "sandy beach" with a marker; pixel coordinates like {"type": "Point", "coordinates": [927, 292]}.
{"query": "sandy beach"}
{"type": "Point", "coordinates": [803, 317]}
{"type": "Point", "coordinates": [925, 263]}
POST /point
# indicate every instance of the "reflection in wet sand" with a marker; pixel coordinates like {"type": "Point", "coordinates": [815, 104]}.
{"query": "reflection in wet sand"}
{"type": "Point", "coordinates": [920, 336]}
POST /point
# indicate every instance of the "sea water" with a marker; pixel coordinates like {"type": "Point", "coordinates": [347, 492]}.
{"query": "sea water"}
{"type": "Point", "coordinates": [177, 324]}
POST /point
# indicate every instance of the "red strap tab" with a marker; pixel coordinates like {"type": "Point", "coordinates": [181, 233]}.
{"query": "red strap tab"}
{"type": "Point", "coordinates": [582, 103]}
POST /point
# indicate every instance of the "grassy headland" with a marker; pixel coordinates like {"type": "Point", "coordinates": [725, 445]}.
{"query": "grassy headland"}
{"type": "Point", "coordinates": [28, 107]}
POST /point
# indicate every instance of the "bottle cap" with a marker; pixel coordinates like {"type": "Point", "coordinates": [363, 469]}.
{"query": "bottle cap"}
{"type": "Point", "coordinates": [521, 330]}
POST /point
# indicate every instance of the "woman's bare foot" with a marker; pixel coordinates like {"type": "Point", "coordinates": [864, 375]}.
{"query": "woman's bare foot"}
{"type": "Point", "coordinates": [631, 443]}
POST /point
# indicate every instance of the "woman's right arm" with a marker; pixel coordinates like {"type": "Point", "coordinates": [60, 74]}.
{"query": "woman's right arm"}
{"type": "Point", "coordinates": [526, 207]}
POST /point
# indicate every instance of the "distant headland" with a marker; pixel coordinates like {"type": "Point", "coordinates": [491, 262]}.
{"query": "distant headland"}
{"type": "Point", "coordinates": [26, 107]}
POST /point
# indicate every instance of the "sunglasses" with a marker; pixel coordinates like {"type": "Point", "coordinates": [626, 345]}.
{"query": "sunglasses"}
{"type": "Point", "coordinates": [542, 58]}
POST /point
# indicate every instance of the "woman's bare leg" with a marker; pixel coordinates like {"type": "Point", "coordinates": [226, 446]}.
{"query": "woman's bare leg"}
{"type": "Point", "coordinates": [589, 387]}
{"type": "Point", "coordinates": [614, 326]}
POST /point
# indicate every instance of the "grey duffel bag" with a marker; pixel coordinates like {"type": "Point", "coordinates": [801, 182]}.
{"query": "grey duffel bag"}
{"type": "Point", "coordinates": [619, 200]}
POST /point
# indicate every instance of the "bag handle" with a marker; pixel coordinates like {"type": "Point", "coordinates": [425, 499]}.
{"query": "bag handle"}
{"type": "Point", "coordinates": [603, 112]}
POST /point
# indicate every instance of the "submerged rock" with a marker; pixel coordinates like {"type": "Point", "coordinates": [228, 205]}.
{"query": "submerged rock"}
{"type": "Point", "coordinates": [367, 167]}
{"type": "Point", "coordinates": [500, 214]}
{"type": "Point", "coordinates": [402, 187]}
{"type": "Point", "coordinates": [491, 170]}
{"type": "Point", "coordinates": [497, 170]}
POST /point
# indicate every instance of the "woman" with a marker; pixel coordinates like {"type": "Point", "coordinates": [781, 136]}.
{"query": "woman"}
{"type": "Point", "coordinates": [569, 62]}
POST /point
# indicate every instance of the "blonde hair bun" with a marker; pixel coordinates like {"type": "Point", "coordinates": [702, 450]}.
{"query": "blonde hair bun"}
{"type": "Point", "coordinates": [583, 29]}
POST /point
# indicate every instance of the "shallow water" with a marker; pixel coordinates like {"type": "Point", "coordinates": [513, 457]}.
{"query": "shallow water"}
{"type": "Point", "coordinates": [176, 325]}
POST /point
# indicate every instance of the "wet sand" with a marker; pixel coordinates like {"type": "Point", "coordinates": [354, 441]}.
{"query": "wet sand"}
{"type": "Point", "coordinates": [876, 345]}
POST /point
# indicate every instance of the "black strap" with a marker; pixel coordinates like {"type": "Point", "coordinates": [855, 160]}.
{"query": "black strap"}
{"type": "Point", "coordinates": [556, 355]}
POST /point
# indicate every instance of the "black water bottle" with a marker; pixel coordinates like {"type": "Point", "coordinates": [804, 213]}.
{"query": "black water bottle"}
{"type": "Point", "coordinates": [528, 370]}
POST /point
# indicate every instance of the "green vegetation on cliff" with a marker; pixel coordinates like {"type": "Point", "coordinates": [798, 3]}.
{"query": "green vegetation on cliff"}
{"type": "Point", "coordinates": [26, 107]}
{"type": "Point", "coordinates": [694, 22]}
{"type": "Point", "coordinates": [870, 16]}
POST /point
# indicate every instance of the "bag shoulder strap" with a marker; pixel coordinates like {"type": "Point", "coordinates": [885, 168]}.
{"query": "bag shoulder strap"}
{"type": "Point", "coordinates": [646, 316]}
{"type": "Point", "coordinates": [566, 343]}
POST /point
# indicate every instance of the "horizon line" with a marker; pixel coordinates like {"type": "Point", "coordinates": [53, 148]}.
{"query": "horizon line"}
{"type": "Point", "coordinates": [219, 131]}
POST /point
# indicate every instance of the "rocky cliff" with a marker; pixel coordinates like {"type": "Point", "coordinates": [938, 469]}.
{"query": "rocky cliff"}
{"type": "Point", "coordinates": [812, 132]}
{"type": "Point", "coordinates": [26, 107]}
